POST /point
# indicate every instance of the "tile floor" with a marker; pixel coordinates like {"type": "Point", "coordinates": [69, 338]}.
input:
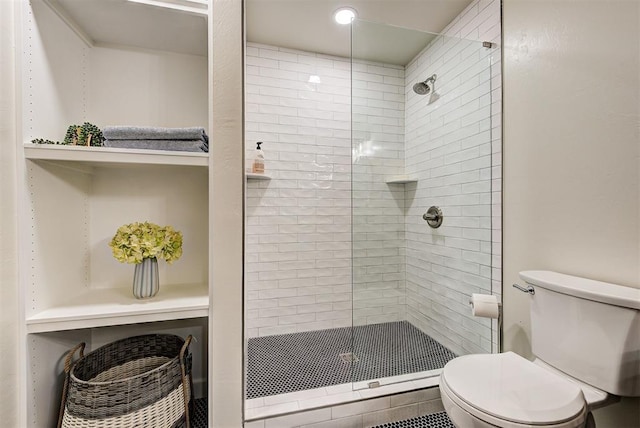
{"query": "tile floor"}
{"type": "Point", "coordinates": [434, 420]}
{"type": "Point", "coordinates": [286, 363]}
{"type": "Point", "coordinates": [301, 371]}
{"type": "Point", "coordinates": [199, 416]}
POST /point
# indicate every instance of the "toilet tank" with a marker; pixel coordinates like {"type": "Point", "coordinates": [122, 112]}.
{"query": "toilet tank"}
{"type": "Point", "coordinates": [587, 329]}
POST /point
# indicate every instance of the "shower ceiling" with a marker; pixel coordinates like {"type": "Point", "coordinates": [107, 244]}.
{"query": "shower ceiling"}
{"type": "Point", "coordinates": [308, 25]}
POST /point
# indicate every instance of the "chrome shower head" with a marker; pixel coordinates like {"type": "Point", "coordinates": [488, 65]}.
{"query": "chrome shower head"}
{"type": "Point", "coordinates": [423, 88]}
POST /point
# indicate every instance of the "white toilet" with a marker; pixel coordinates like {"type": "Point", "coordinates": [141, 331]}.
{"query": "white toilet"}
{"type": "Point", "coordinates": [586, 337]}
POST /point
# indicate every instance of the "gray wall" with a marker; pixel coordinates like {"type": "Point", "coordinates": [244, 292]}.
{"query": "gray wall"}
{"type": "Point", "coordinates": [571, 104]}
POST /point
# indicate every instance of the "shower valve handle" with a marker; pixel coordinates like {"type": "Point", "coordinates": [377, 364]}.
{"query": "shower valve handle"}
{"type": "Point", "coordinates": [433, 217]}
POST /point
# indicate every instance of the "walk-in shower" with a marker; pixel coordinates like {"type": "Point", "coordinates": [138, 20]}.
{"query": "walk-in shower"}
{"type": "Point", "coordinates": [347, 286]}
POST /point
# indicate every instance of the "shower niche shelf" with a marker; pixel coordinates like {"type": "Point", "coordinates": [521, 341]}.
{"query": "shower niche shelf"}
{"type": "Point", "coordinates": [256, 176]}
{"type": "Point", "coordinates": [401, 179]}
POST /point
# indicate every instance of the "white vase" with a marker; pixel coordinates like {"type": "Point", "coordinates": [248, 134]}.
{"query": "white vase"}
{"type": "Point", "coordinates": [145, 279]}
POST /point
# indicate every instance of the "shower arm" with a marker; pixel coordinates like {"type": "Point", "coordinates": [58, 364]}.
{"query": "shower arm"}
{"type": "Point", "coordinates": [431, 79]}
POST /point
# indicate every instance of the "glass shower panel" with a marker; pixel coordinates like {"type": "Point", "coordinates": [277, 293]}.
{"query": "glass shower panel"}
{"type": "Point", "coordinates": [421, 138]}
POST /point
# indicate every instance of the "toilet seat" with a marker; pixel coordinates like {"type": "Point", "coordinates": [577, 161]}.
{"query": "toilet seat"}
{"type": "Point", "coordinates": [506, 390]}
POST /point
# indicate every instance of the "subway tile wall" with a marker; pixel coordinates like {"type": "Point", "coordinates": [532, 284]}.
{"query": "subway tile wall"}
{"type": "Point", "coordinates": [298, 253]}
{"type": "Point", "coordinates": [453, 147]}
{"type": "Point", "coordinates": [298, 236]}
{"type": "Point", "coordinates": [378, 208]}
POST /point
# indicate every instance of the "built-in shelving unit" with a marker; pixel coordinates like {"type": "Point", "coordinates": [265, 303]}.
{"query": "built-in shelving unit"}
{"type": "Point", "coordinates": [116, 62]}
{"type": "Point", "coordinates": [256, 176]}
{"type": "Point", "coordinates": [401, 179]}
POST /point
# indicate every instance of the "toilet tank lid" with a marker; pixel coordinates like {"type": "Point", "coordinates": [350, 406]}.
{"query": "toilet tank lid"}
{"type": "Point", "coordinates": [584, 288]}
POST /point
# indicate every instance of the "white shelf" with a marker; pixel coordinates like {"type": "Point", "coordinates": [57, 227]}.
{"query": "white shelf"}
{"type": "Point", "coordinates": [256, 176]}
{"type": "Point", "coordinates": [107, 307]}
{"type": "Point", "coordinates": [104, 156]}
{"type": "Point", "coordinates": [401, 179]}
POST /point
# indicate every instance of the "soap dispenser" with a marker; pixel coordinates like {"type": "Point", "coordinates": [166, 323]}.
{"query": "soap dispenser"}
{"type": "Point", "coordinates": [258, 160]}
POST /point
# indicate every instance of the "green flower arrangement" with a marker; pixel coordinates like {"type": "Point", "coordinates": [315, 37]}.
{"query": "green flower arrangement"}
{"type": "Point", "coordinates": [137, 241]}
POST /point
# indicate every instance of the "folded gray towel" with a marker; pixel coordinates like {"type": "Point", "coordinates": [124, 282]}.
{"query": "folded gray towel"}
{"type": "Point", "coordinates": [150, 133]}
{"type": "Point", "coordinates": [173, 145]}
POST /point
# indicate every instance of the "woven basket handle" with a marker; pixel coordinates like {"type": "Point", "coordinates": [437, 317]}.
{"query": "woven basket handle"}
{"type": "Point", "coordinates": [185, 348]}
{"type": "Point", "coordinates": [68, 364]}
{"type": "Point", "coordinates": [187, 388]}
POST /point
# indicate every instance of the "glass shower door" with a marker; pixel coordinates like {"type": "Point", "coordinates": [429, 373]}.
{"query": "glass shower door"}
{"type": "Point", "coordinates": [421, 138]}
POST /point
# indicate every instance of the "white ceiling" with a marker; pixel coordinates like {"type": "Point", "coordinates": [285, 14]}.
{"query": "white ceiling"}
{"type": "Point", "coordinates": [296, 24]}
{"type": "Point", "coordinates": [122, 22]}
{"type": "Point", "coordinates": [308, 25]}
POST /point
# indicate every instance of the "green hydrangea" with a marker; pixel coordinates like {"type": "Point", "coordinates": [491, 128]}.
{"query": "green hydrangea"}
{"type": "Point", "coordinates": [137, 241]}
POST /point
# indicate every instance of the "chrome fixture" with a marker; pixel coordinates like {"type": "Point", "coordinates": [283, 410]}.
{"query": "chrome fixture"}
{"type": "Point", "coordinates": [423, 88]}
{"type": "Point", "coordinates": [528, 289]}
{"type": "Point", "coordinates": [433, 217]}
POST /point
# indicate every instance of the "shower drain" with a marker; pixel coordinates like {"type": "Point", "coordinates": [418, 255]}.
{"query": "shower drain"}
{"type": "Point", "coordinates": [348, 357]}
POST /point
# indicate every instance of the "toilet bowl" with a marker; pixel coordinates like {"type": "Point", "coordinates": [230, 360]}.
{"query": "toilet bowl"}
{"type": "Point", "coordinates": [585, 335]}
{"type": "Point", "coordinates": [506, 390]}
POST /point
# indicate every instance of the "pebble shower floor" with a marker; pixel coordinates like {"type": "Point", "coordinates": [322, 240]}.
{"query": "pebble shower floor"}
{"type": "Point", "coordinates": [294, 362]}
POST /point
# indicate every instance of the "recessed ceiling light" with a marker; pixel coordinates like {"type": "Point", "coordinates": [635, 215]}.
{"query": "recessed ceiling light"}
{"type": "Point", "coordinates": [345, 15]}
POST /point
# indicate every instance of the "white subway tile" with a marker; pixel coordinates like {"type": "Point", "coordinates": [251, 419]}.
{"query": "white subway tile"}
{"type": "Point", "coordinates": [360, 407]}
{"type": "Point", "coordinates": [270, 331]}
{"type": "Point", "coordinates": [276, 312]}
{"type": "Point", "coordinates": [297, 319]}
{"type": "Point", "coordinates": [316, 308]}
{"type": "Point", "coordinates": [295, 301]}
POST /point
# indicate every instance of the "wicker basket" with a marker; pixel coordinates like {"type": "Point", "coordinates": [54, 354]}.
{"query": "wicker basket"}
{"type": "Point", "coordinates": [142, 381]}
